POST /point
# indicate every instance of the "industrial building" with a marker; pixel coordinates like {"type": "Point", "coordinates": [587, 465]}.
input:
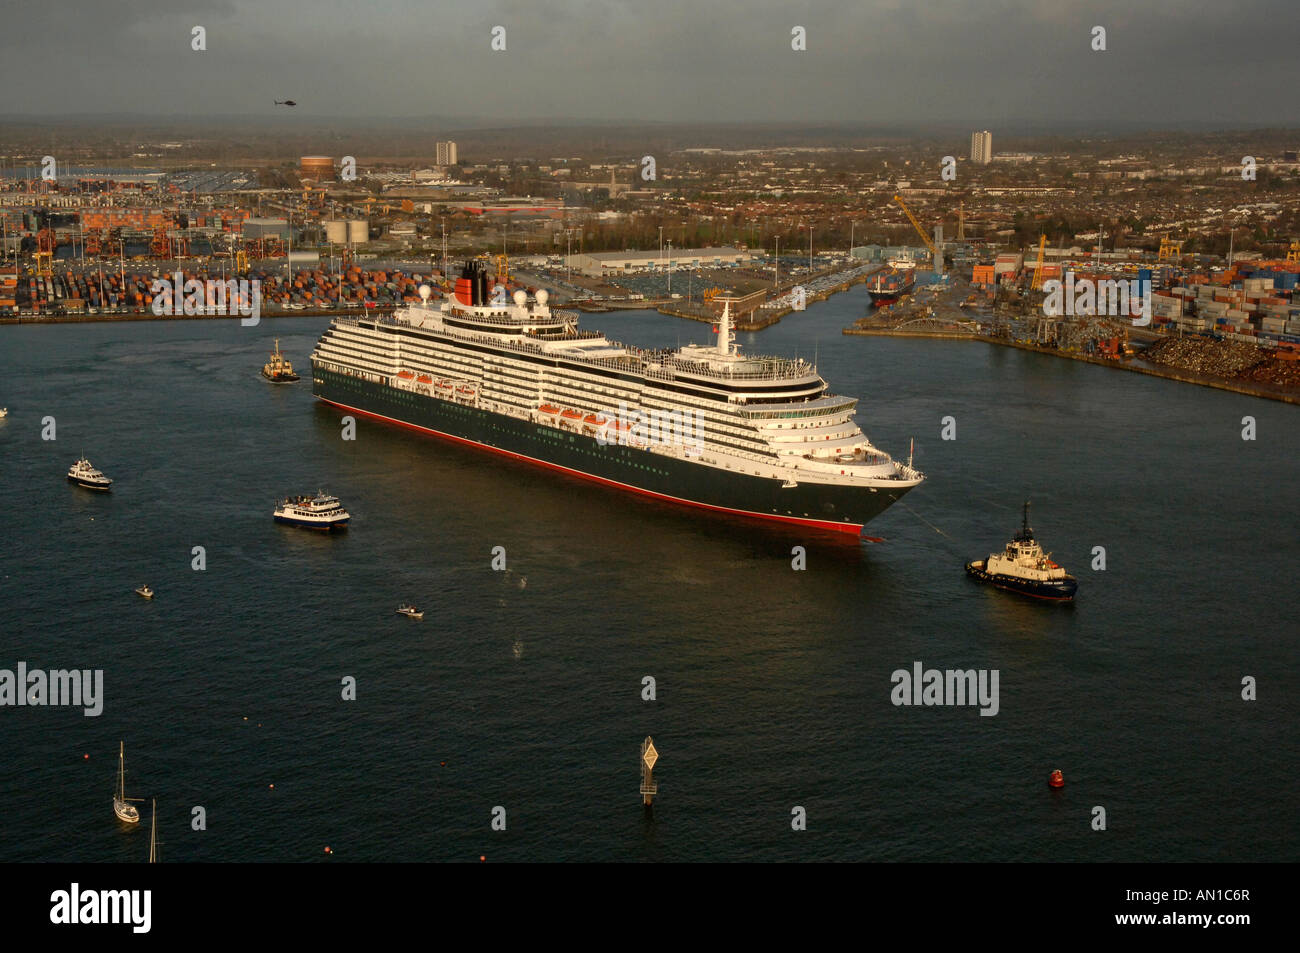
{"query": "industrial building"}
{"type": "Point", "coordinates": [316, 168]}
{"type": "Point", "coordinates": [596, 264]}
{"type": "Point", "coordinates": [981, 147]}
{"type": "Point", "coordinates": [266, 228]}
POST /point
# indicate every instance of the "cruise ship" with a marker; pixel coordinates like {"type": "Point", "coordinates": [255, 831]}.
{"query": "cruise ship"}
{"type": "Point", "coordinates": [704, 426]}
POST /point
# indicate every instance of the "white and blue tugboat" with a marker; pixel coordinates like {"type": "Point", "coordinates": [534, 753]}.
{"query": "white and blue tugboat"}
{"type": "Point", "coordinates": [321, 511]}
{"type": "Point", "coordinates": [1026, 569]}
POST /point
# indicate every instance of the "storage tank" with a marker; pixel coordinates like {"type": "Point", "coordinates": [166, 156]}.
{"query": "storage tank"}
{"type": "Point", "coordinates": [336, 231]}
{"type": "Point", "coordinates": [304, 258]}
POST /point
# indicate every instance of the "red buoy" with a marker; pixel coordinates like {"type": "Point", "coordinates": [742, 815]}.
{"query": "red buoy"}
{"type": "Point", "coordinates": [481, 858]}
{"type": "Point", "coordinates": [85, 757]}
{"type": "Point", "coordinates": [1057, 779]}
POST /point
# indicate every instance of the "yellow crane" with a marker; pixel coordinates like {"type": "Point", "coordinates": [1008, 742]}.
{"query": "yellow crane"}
{"type": "Point", "coordinates": [1169, 250]}
{"type": "Point", "coordinates": [1294, 253]}
{"type": "Point", "coordinates": [917, 225]}
{"type": "Point", "coordinates": [1038, 265]}
{"type": "Point", "coordinates": [503, 268]}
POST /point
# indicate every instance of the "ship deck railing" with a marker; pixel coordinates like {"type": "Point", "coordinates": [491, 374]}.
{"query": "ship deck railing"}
{"type": "Point", "coordinates": [661, 364]}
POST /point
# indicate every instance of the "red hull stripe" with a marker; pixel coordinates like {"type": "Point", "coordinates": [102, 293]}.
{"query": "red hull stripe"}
{"type": "Point", "coordinates": [855, 528]}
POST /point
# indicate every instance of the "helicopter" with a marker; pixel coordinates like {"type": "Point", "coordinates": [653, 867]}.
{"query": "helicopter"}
{"type": "Point", "coordinates": [285, 102]}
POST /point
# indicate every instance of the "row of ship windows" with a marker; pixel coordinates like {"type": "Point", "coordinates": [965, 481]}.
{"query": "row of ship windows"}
{"type": "Point", "coordinates": [583, 395]}
{"type": "Point", "coordinates": [412, 399]}
{"type": "Point", "coordinates": [585, 385]}
{"type": "Point", "coordinates": [432, 342]}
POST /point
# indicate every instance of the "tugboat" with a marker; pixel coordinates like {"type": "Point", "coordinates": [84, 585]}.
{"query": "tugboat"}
{"type": "Point", "coordinates": [277, 370]}
{"type": "Point", "coordinates": [321, 511]}
{"type": "Point", "coordinates": [409, 611]}
{"type": "Point", "coordinates": [144, 591]}
{"type": "Point", "coordinates": [83, 474]}
{"type": "Point", "coordinates": [1025, 568]}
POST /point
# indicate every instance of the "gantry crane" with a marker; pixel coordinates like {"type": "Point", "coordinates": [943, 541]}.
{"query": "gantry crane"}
{"type": "Point", "coordinates": [1169, 250]}
{"type": "Point", "coordinates": [1294, 253]}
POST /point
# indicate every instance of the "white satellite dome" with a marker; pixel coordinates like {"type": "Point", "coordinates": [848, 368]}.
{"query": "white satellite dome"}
{"type": "Point", "coordinates": [541, 297]}
{"type": "Point", "coordinates": [521, 298]}
{"type": "Point", "coordinates": [425, 292]}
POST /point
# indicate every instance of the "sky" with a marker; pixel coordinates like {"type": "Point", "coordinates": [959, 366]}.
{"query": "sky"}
{"type": "Point", "coordinates": [983, 62]}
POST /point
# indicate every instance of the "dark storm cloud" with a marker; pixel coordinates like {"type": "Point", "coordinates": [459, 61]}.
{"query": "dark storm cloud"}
{"type": "Point", "coordinates": [678, 60]}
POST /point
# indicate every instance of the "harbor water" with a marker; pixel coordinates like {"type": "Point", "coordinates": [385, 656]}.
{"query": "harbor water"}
{"type": "Point", "coordinates": [523, 688]}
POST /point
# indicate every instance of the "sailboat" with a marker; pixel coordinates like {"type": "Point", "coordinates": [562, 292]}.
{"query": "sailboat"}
{"type": "Point", "coordinates": [153, 833]}
{"type": "Point", "coordinates": [124, 811]}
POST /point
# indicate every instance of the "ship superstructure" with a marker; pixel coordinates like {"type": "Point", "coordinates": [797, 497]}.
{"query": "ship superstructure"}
{"type": "Point", "coordinates": [702, 425]}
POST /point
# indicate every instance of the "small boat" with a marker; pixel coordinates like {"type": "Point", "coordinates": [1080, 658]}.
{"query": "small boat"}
{"type": "Point", "coordinates": [548, 410]}
{"type": "Point", "coordinates": [405, 375]}
{"type": "Point", "coordinates": [4, 412]}
{"type": "Point", "coordinates": [321, 511]}
{"type": "Point", "coordinates": [83, 474]}
{"type": "Point", "coordinates": [409, 611]}
{"type": "Point", "coordinates": [1025, 569]}
{"type": "Point", "coordinates": [424, 379]}
{"type": "Point", "coordinates": [277, 370]}
{"type": "Point", "coordinates": [121, 807]}
{"type": "Point", "coordinates": [144, 591]}
{"type": "Point", "coordinates": [443, 385]}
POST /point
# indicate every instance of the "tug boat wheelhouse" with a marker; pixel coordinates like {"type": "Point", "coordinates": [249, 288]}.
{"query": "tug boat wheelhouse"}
{"type": "Point", "coordinates": [83, 474]}
{"type": "Point", "coordinates": [321, 511]}
{"type": "Point", "coordinates": [705, 426]}
{"type": "Point", "coordinates": [1024, 568]}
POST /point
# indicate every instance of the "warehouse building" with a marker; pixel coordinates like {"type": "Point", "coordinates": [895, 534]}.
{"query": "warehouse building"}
{"type": "Point", "coordinates": [596, 264]}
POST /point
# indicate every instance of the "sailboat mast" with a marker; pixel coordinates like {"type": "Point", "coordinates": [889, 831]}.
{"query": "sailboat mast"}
{"type": "Point", "coordinates": [121, 771]}
{"type": "Point", "coordinates": [153, 834]}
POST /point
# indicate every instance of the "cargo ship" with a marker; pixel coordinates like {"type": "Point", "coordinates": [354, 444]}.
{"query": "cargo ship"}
{"type": "Point", "coordinates": [1024, 568]}
{"type": "Point", "coordinates": [888, 288]}
{"type": "Point", "coordinates": [703, 426]}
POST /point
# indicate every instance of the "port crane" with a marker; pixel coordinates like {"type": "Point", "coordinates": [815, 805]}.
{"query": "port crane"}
{"type": "Point", "coordinates": [1294, 253]}
{"type": "Point", "coordinates": [934, 253]}
{"type": "Point", "coordinates": [1169, 250]}
{"type": "Point", "coordinates": [1038, 265]}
